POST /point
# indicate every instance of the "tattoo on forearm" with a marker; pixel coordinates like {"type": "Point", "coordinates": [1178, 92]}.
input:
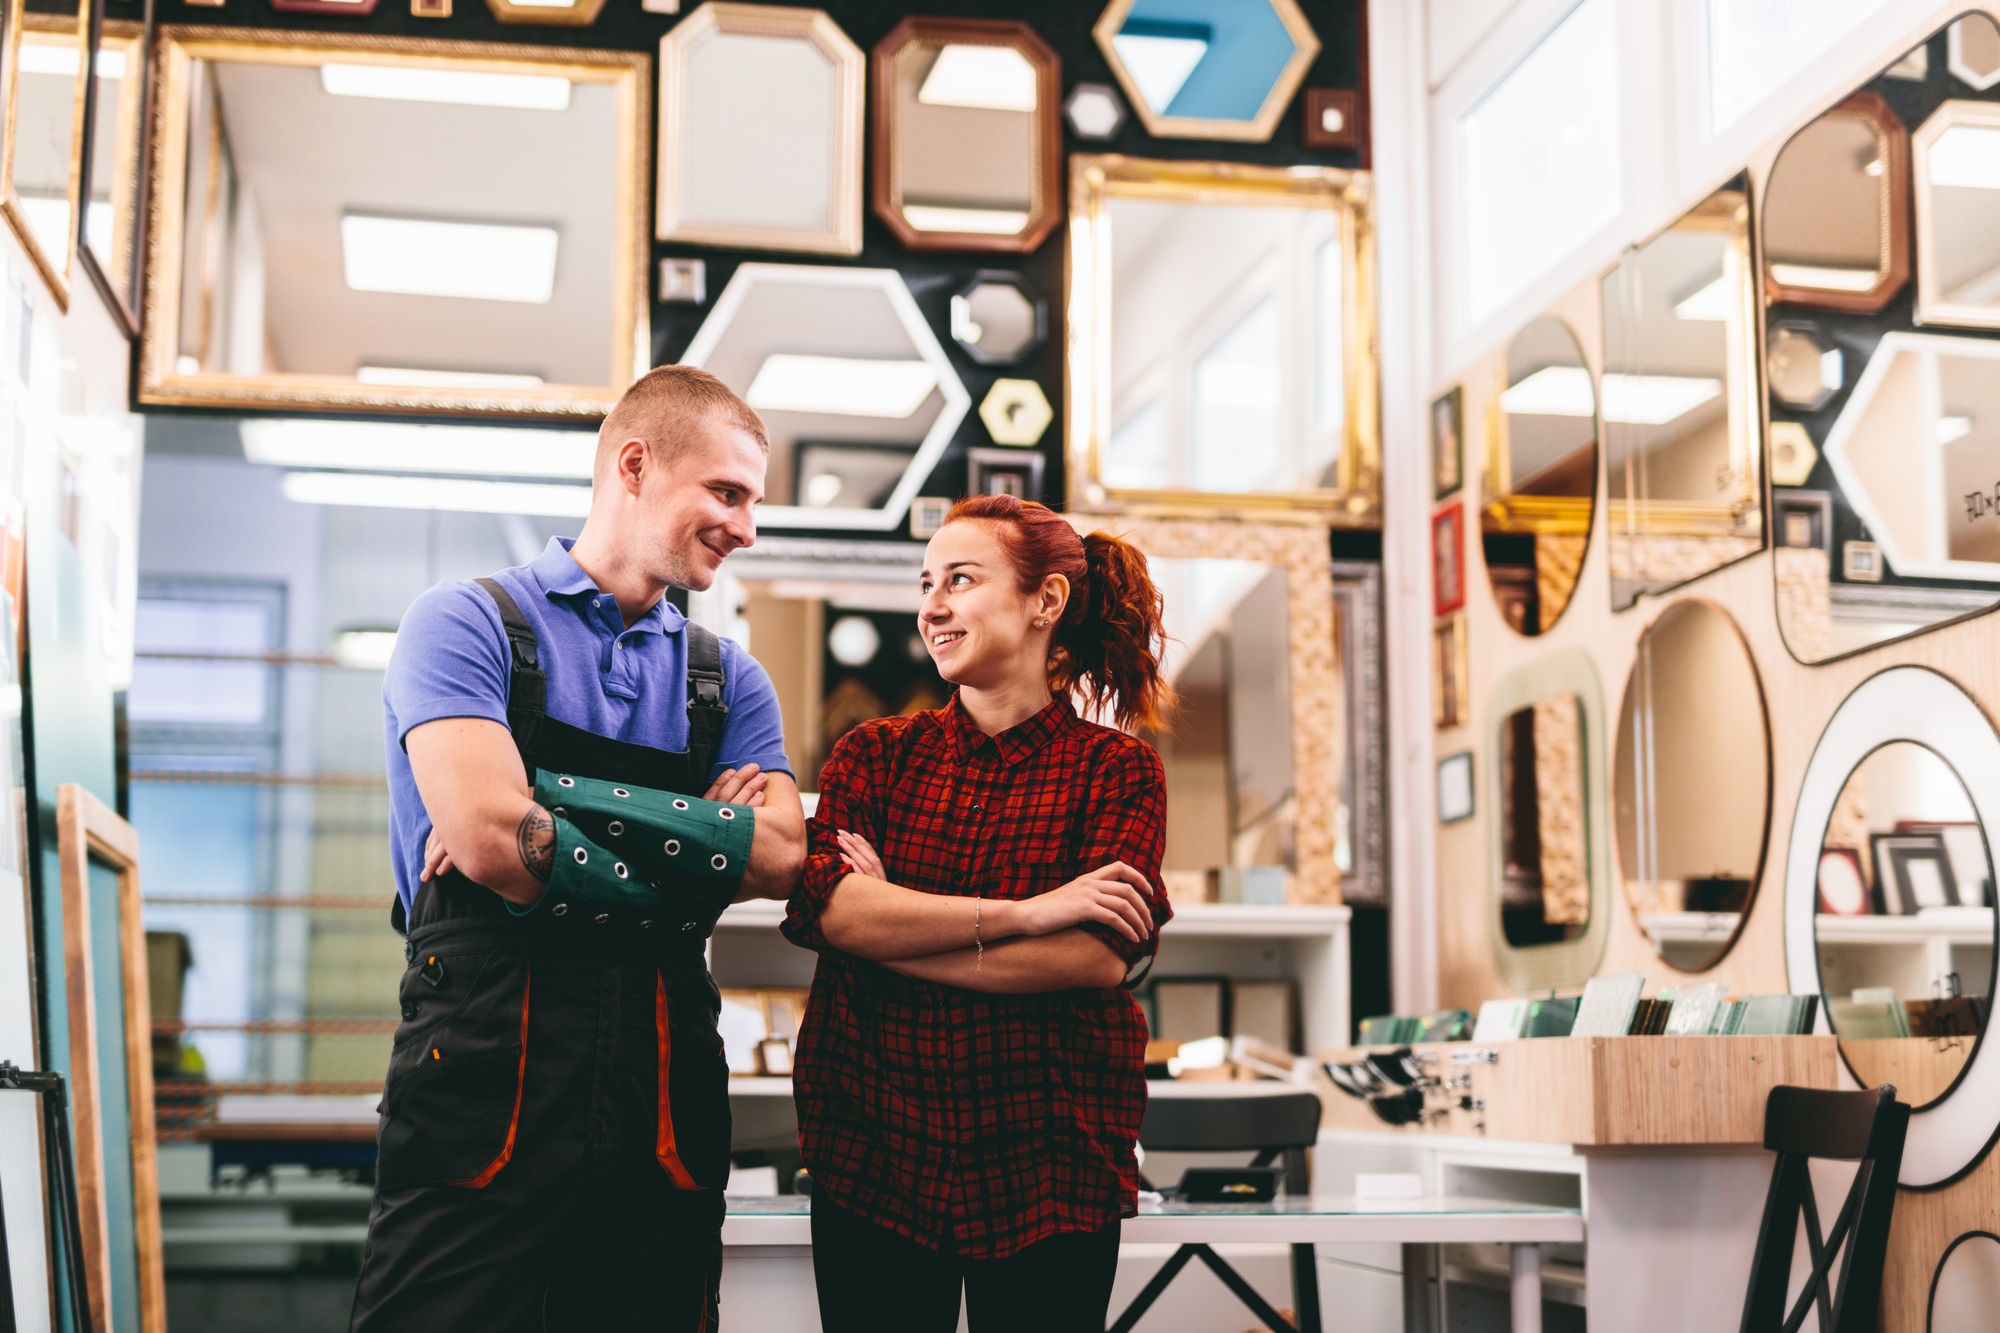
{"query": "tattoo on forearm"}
{"type": "Point", "coordinates": [536, 839]}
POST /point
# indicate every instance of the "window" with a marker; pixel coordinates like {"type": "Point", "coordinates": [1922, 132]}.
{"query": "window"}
{"type": "Point", "coordinates": [1755, 47]}
{"type": "Point", "coordinates": [1238, 433]}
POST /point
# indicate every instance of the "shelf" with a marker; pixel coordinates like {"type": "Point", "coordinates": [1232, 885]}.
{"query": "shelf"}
{"type": "Point", "coordinates": [763, 913]}
{"type": "Point", "coordinates": [1954, 925]}
{"type": "Point", "coordinates": [760, 1086]}
{"type": "Point", "coordinates": [1191, 921]}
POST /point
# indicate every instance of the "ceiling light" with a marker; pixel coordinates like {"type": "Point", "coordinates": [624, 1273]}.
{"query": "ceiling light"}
{"type": "Point", "coordinates": [472, 260]}
{"type": "Point", "coordinates": [1967, 156]}
{"type": "Point", "coordinates": [364, 649]}
{"type": "Point", "coordinates": [853, 641]}
{"type": "Point", "coordinates": [1629, 400]}
{"type": "Point", "coordinates": [1159, 65]}
{"type": "Point", "coordinates": [374, 491]}
{"type": "Point", "coordinates": [841, 386]}
{"type": "Point", "coordinates": [823, 488]}
{"type": "Point", "coordinates": [987, 78]}
{"type": "Point", "coordinates": [445, 379]}
{"type": "Point", "coordinates": [1710, 301]}
{"type": "Point", "coordinates": [48, 58]}
{"type": "Point", "coordinates": [1827, 279]}
{"type": "Point", "coordinates": [1953, 428]}
{"type": "Point", "coordinates": [493, 451]}
{"type": "Point", "coordinates": [982, 221]}
{"type": "Point", "coordinates": [404, 83]}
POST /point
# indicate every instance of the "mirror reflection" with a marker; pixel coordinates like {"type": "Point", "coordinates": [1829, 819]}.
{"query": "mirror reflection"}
{"type": "Point", "coordinates": [111, 218]}
{"type": "Point", "coordinates": [999, 318]}
{"type": "Point", "coordinates": [1680, 404]}
{"type": "Point", "coordinates": [1208, 68]}
{"type": "Point", "coordinates": [1834, 229]}
{"type": "Point", "coordinates": [1958, 212]}
{"type": "Point", "coordinates": [303, 259]}
{"type": "Point", "coordinates": [1691, 784]}
{"type": "Point", "coordinates": [44, 118]}
{"type": "Point", "coordinates": [968, 145]}
{"type": "Point", "coordinates": [1541, 480]}
{"type": "Point", "coordinates": [1904, 925]}
{"type": "Point", "coordinates": [1544, 852]}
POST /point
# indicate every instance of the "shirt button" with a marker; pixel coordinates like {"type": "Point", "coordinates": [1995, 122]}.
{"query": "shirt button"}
{"type": "Point", "coordinates": [977, 807]}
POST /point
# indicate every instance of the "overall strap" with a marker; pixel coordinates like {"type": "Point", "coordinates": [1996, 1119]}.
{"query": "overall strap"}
{"type": "Point", "coordinates": [706, 710]}
{"type": "Point", "coordinates": [527, 684]}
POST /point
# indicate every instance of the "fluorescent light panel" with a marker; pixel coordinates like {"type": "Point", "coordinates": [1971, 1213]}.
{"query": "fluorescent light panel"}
{"type": "Point", "coordinates": [1629, 400]}
{"type": "Point", "coordinates": [1159, 65]}
{"type": "Point", "coordinates": [981, 221]}
{"type": "Point", "coordinates": [1708, 302]}
{"type": "Point", "coordinates": [1967, 156]}
{"type": "Point", "coordinates": [985, 78]}
{"type": "Point", "coordinates": [445, 379]}
{"type": "Point", "coordinates": [367, 649]}
{"type": "Point", "coordinates": [401, 83]}
{"type": "Point", "coordinates": [492, 451]}
{"type": "Point", "coordinates": [841, 386]}
{"type": "Point", "coordinates": [469, 260]}
{"type": "Point", "coordinates": [39, 57]}
{"type": "Point", "coordinates": [374, 491]}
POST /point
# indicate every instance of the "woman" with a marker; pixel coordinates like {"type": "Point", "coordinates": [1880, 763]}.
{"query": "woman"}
{"type": "Point", "coordinates": [982, 882]}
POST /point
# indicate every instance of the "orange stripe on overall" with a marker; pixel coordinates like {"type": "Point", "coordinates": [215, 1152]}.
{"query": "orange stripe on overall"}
{"type": "Point", "coordinates": [665, 1147]}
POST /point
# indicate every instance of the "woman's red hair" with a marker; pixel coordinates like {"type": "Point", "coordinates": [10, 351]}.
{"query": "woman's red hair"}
{"type": "Point", "coordinates": [1106, 647]}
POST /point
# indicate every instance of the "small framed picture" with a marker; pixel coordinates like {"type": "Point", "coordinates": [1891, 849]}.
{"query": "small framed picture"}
{"type": "Point", "coordinates": [1448, 443]}
{"type": "Point", "coordinates": [1842, 889]}
{"type": "Point", "coordinates": [1449, 673]}
{"type": "Point", "coordinates": [1861, 562]}
{"type": "Point", "coordinates": [1912, 872]}
{"type": "Point", "coordinates": [1454, 793]}
{"type": "Point", "coordinates": [1804, 519]}
{"type": "Point", "coordinates": [1013, 472]}
{"type": "Point", "coordinates": [1448, 559]}
{"type": "Point", "coordinates": [927, 515]}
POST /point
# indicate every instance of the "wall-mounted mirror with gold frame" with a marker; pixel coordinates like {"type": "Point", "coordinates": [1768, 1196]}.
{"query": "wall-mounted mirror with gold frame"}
{"type": "Point", "coordinates": [112, 216]}
{"type": "Point", "coordinates": [1222, 340]}
{"type": "Point", "coordinates": [967, 135]}
{"type": "Point", "coordinates": [339, 224]}
{"type": "Point", "coordinates": [1541, 476]}
{"type": "Point", "coordinates": [41, 152]}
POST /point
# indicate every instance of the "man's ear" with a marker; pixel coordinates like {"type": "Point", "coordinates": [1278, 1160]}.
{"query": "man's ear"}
{"type": "Point", "coordinates": [630, 464]}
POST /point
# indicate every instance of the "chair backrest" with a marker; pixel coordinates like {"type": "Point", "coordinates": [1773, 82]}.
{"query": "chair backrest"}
{"type": "Point", "coordinates": [1801, 1124]}
{"type": "Point", "coordinates": [1271, 1124]}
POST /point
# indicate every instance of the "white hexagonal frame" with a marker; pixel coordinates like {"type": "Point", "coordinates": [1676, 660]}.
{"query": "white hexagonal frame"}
{"type": "Point", "coordinates": [1929, 561]}
{"type": "Point", "coordinates": [957, 401]}
{"type": "Point", "coordinates": [1955, 55]}
{"type": "Point", "coordinates": [1932, 307]}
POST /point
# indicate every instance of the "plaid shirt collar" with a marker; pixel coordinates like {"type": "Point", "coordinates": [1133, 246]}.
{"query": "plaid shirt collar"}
{"type": "Point", "coordinates": [1018, 741]}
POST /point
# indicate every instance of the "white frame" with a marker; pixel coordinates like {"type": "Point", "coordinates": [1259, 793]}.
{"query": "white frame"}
{"type": "Point", "coordinates": [1932, 308]}
{"type": "Point", "coordinates": [1906, 703]}
{"type": "Point", "coordinates": [957, 401]}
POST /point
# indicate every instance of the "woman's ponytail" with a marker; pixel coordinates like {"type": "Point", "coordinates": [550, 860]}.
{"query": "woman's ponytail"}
{"type": "Point", "coordinates": [1106, 648]}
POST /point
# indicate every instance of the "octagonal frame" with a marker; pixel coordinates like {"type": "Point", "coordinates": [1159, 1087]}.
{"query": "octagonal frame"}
{"type": "Point", "coordinates": [1932, 307]}
{"type": "Point", "coordinates": [1019, 282]}
{"type": "Point", "coordinates": [1259, 128]}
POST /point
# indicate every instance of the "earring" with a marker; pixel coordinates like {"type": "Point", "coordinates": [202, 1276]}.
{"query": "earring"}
{"type": "Point", "coordinates": [1041, 624]}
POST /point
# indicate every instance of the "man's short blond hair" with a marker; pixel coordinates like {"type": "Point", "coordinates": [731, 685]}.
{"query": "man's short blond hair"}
{"type": "Point", "coordinates": [666, 405]}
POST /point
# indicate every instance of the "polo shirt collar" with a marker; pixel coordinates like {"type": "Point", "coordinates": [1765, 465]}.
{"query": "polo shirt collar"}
{"type": "Point", "coordinates": [1018, 741]}
{"type": "Point", "coordinates": [560, 576]}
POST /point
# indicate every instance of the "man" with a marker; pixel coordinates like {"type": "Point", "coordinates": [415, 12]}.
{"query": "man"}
{"type": "Point", "coordinates": [580, 781]}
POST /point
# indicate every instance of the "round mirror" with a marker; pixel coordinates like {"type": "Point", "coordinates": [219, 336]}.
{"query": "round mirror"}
{"type": "Point", "coordinates": [1904, 922]}
{"type": "Point", "coordinates": [999, 319]}
{"type": "Point", "coordinates": [1966, 1290]}
{"type": "Point", "coordinates": [1691, 784]}
{"type": "Point", "coordinates": [1541, 479]}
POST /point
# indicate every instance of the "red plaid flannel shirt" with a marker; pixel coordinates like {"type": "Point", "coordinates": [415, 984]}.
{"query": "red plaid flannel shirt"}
{"type": "Point", "coordinates": [965, 1121]}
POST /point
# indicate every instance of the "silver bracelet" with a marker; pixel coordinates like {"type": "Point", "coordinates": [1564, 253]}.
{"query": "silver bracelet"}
{"type": "Point", "coordinates": [979, 958]}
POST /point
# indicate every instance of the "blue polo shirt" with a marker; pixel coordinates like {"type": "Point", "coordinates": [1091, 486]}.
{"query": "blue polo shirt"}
{"type": "Point", "coordinates": [451, 660]}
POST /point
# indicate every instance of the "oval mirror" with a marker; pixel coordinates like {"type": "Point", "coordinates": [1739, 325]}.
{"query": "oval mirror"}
{"type": "Point", "coordinates": [1966, 1290]}
{"type": "Point", "coordinates": [1541, 476]}
{"type": "Point", "coordinates": [1691, 784]}
{"type": "Point", "coordinates": [1834, 230]}
{"type": "Point", "coordinates": [1904, 922]}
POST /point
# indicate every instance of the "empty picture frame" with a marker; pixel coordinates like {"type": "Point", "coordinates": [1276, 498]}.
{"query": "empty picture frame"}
{"type": "Point", "coordinates": [1912, 872]}
{"type": "Point", "coordinates": [760, 131]}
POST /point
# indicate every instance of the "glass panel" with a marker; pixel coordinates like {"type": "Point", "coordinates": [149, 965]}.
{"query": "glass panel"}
{"type": "Point", "coordinates": [45, 119]}
{"type": "Point", "coordinates": [1206, 60]}
{"type": "Point", "coordinates": [1755, 49]}
{"type": "Point", "coordinates": [965, 134]}
{"type": "Point", "coordinates": [1237, 401]}
{"type": "Point", "coordinates": [1833, 230]}
{"type": "Point", "coordinates": [1541, 481]}
{"type": "Point", "coordinates": [111, 217]}
{"type": "Point", "coordinates": [1544, 851]}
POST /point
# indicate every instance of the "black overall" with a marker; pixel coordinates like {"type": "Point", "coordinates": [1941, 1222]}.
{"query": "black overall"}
{"type": "Point", "coordinates": [555, 1127]}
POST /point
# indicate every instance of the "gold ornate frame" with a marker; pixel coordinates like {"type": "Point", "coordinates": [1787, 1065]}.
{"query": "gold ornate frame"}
{"type": "Point", "coordinates": [118, 274]}
{"type": "Point", "coordinates": [1541, 515]}
{"type": "Point", "coordinates": [1356, 502]}
{"type": "Point", "coordinates": [177, 50]}
{"type": "Point", "coordinates": [843, 236]}
{"type": "Point", "coordinates": [55, 269]}
{"type": "Point", "coordinates": [1319, 714]}
{"type": "Point", "coordinates": [87, 830]}
{"type": "Point", "coordinates": [1305, 44]}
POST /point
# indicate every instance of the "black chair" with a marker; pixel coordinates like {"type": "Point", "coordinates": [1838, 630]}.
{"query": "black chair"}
{"type": "Point", "coordinates": [1799, 1125]}
{"type": "Point", "coordinates": [1270, 1124]}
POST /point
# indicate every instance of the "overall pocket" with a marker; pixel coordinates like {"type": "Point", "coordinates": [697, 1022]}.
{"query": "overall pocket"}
{"type": "Point", "coordinates": [452, 1104]}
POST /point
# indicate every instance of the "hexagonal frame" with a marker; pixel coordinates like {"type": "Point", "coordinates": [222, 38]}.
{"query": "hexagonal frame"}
{"type": "Point", "coordinates": [998, 410]}
{"type": "Point", "coordinates": [1020, 283]}
{"type": "Point", "coordinates": [1812, 334]}
{"type": "Point", "coordinates": [1258, 129]}
{"type": "Point", "coordinates": [957, 401]}
{"type": "Point", "coordinates": [1848, 424]}
{"type": "Point", "coordinates": [1955, 55]}
{"type": "Point", "coordinates": [580, 15]}
{"type": "Point", "coordinates": [1109, 94]}
{"type": "Point", "coordinates": [1804, 454]}
{"type": "Point", "coordinates": [1932, 308]}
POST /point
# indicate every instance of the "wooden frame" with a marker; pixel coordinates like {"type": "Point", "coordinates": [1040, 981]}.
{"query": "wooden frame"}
{"type": "Point", "coordinates": [1355, 500]}
{"type": "Point", "coordinates": [1932, 308]}
{"type": "Point", "coordinates": [176, 53]}
{"type": "Point", "coordinates": [1333, 121]}
{"type": "Point", "coordinates": [1448, 559]}
{"type": "Point", "coordinates": [1258, 129]}
{"type": "Point", "coordinates": [87, 829]}
{"type": "Point", "coordinates": [1448, 443]}
{"type": "Point", "coordinates": [841, 234]}
{"type": "Point", "coordinates": [118, 275]}
{"type": "Point", "coordinates": [580, 14]}
{"type": "Point", "coordinates": [885, 184]}
{"type": "Point", "coordinates": [1893, 142]}
{"type": "Point", "coordinates": [55, 270]}
{"type": "Point", "coordinates": [1450, 674]}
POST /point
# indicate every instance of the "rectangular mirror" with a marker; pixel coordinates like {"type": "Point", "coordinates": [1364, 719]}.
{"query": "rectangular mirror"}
{"type": "Point", "coordinates": [111, 218]}
{"type": "Point", "coordinates": [1222, 335]}
{"type": "Point", "coordinates": [340, 223]}
{"type": "Point", "coordinates": [1683, 451]}
{"type": "Point", "coordinates": [40, 166]}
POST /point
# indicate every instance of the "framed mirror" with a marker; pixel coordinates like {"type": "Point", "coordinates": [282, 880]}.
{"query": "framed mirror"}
{"type": "Point", "coordinates": [1207, 69]}
{"type": "Point", "coordinates": [1836, 234]}
{"type": "Point", "coordinates": [1541, 476]}
{"type": "Point", "coordinates": [294, 263]}
{"type": "Point", "coordinates": [1691, 785]}
{"type": "Point", "coordinates": [760, 131]}
{"type": "Point", "coordinates": [1549, 862]}
{"type": "Point", "coordinates": [111, 183]}
{"type": "Point", "coordinates": [41, 151]}
{"type": "Point", "coordinates": [858, 396]}
{"type": "Point", "coordinates": [1889, 906]}
{"type": "Point", "coordinates": [999, 318]}
{"type": "Point", "coordinates": [1221, 354]}
{"type": "Point", "coordinates": [967, 135]}
{"type": "Point", "coordinates": [1958, 211]}
{"type": "Point", "coordinates": [1683, 449]}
